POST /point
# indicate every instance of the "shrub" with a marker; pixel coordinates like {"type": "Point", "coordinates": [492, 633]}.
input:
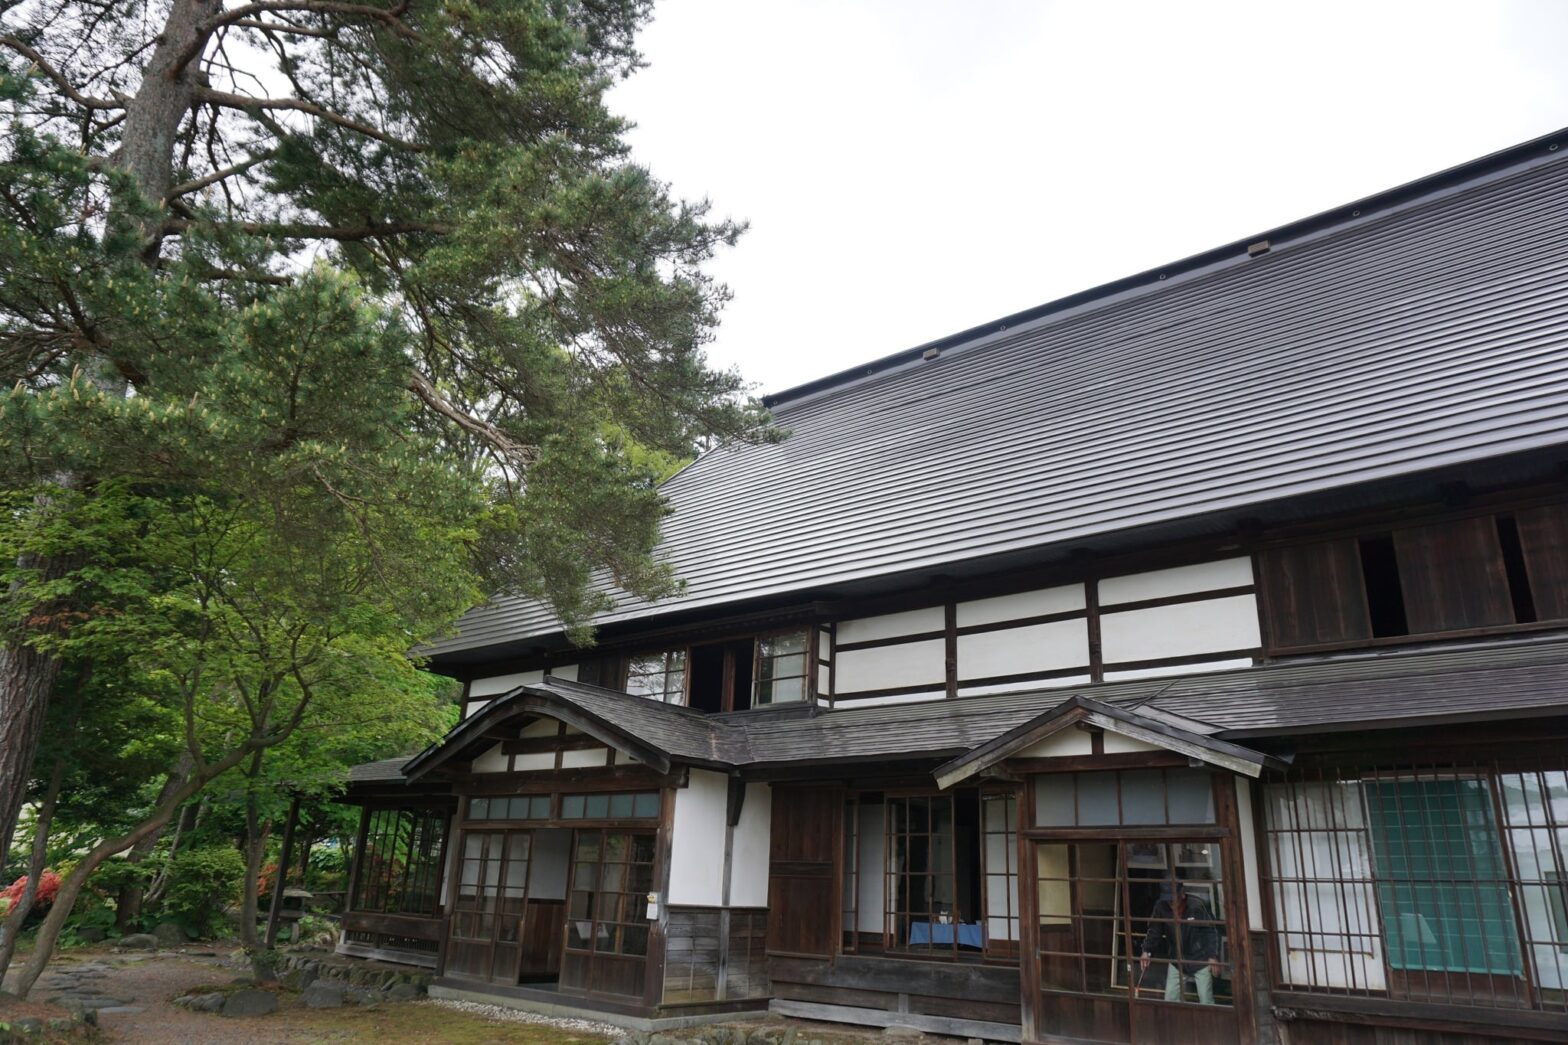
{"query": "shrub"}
{"type": "Point", "coordinates": [201, 883]}
{"type": "Point", "coordinates": [48, 886]}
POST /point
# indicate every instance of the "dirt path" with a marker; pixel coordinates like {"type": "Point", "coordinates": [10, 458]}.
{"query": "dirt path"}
{"type": "Point", "coordinates": [134, 994]}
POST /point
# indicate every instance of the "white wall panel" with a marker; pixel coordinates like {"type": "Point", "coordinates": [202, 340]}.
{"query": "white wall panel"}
{"type": "Point", "coordinates": [492, 761]}
{"type": "Point", "coordinates": [886, 667]}
{"type": "Point", "coordinates": [842, 703]}
{"type": "Point", "coordinates": [593, 756]}
{"type": "Point", "coordinates": [1038, 647]}
{"type": "Point", "coordinates": [1178, 669]}
{"type": "Point", "coordinates": [1116, 744]}
{"type": "Point", "coordinates": [542, 727]}
{"type": "Point", "coordinates": [1065, 742]}
{"type": "Point", "coordinates": [1249, 854]}
{"type": "Point", "coordinates": [1183, 630]}
{"type": "Point", "coordinates": [749, 850]}
{"type": "Point", "coordinates": [697, 841]}
{"type": "Point", "coordinates": [1066, 682]}
{"type": "Point", "coordinates": [498, 684]}
{"type": "Point", "coordinates": [892, 625]}
{"type": "Point", "coordinates": [476, 707]}
{"type": "Point", "coordinates": [1063, 599]}
{"type": "Point", "coordinates": [1179, 580]}
{"type": "Point", "coordinates": [534, 761]}
{"type": "Point", "coordinates": [565, 671]}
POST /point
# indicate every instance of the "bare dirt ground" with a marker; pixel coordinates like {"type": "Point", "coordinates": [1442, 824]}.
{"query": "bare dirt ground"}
{"type": "Point", "coordinates": [135, 993]}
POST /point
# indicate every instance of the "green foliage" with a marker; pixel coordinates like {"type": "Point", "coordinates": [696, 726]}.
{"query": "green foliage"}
{"type": "Point", "coordinates": [201, 883]}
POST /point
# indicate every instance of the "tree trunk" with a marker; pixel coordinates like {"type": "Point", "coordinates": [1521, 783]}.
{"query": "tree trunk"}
{"type": "Point", "coordinates": [256, 832]}
{"type": "Point", "coordinates": [190, 820]}
{"type": "Point", "coordinates": [128, 906]}
{"type": "Point", "coordinates": [35, 869]}
{"type": "Point", "coordinates": [71, 886]}
{"type": "Point", "coordinates": [152, 120]}
{"type": "Point", "coordinates": [26, 679]}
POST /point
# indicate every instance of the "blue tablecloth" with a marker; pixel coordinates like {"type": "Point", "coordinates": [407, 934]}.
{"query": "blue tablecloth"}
{"type": "Point", "coordinates": [968, 934]}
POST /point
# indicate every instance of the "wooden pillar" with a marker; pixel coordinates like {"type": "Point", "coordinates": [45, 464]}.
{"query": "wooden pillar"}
{"type": "Point", "coordinates": [282, 873]}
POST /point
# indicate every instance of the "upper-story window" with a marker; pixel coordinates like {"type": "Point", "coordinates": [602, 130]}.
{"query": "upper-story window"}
{"type": "Point", "coordinates": [661, 676]}
{"type": "Point", "coordinates": [781, 668]}
{"type": "Point", "coordinates": [1464, 575]}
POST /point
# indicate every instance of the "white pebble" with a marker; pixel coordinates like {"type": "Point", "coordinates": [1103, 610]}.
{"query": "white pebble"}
{"type": "Point", "coordinates": [501, 1012]}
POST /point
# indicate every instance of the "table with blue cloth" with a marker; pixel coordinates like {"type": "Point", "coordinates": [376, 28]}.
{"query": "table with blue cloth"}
{"type": "Point", "coordinates": [967, 934]}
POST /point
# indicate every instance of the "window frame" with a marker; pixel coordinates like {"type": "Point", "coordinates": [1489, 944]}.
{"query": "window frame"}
{"type": "Point", "coordinates": [807, 633]}
{"type": "Point", "coordinates": [665, 695]}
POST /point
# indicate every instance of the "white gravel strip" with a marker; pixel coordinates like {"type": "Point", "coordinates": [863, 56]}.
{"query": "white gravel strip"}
{"type": "Point", "coordinates": [509, 1015]}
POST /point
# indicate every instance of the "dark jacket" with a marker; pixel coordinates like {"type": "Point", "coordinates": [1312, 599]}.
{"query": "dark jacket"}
{"type": "Point", "coordinates": [1199, 943]}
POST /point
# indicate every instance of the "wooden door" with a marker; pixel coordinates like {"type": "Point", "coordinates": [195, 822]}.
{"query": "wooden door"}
{"type": "Point", "coordinates": [804, 868]}
{"type": "Point", "coordinates": [1098, 904]}
{"type": "Point", "coordinates": [607, 927]}
{"type": "Point", "coordinates": [487, 912]}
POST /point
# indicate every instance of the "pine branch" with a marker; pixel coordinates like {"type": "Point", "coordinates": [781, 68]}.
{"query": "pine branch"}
{"type": "Point", "coordinates": [301, 230]}
{"type": "Point", "coordinates": [42, 65]}
{"type": "Point", "coordinates": [196, 184]}
{"type": "Point", "coordinates": [246, 103]}
{"type": "Point", "coordinates": [515, 452]}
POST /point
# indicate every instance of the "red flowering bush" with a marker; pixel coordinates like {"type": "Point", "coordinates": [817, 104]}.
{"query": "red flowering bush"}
{"type": "Point", "coordinates": [48, 886]}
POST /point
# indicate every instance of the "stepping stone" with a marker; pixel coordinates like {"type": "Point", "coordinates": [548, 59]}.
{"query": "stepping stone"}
{"type": "Point", "coordinates": [120, 1010]}
{"type": "Point", "coordinates": [322, 995]}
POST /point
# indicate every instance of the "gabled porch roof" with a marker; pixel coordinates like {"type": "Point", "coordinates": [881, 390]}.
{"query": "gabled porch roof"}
{"type": "Point", "coordinates": [656, 734]}
{"type": "Point", "coordinates": [1163, 730]}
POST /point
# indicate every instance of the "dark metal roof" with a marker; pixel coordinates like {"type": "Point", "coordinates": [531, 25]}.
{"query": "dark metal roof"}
{"type": "Point", "coordinates": [387, 771]}
{"type": "Point", "coordinates": [1350, 692]}
{"type": "Point", "coordinates": [1428, 330]}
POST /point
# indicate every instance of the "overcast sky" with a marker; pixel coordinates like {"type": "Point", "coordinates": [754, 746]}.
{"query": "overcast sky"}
{"type": "Point", "coordinates": [913, 168]}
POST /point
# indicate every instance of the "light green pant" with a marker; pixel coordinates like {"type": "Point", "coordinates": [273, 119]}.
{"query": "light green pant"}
{"type": "Point", "coordinates": [1204, 978]}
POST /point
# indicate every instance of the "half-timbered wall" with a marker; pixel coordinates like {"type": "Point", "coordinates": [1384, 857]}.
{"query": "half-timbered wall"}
{"type": "Point", "coordinates": [482, 691]}
{"type": "Point", "coordinates": [1201, 616]}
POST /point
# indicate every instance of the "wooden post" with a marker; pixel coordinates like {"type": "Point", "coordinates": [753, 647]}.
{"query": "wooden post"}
{"type": "Point", "coordinates": [271, 939]}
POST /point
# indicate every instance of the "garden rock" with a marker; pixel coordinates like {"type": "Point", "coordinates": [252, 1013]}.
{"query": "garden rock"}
{"type": "Point", "coordinates": [138, 942]}
{"type": "Point", "coordinates": [170, 935]}
{"type": "Point", "coordinates": [250, 1003]}
{"type": "Point", "coordinates": [91, 934]}
{"type": "Point", "coordinates": [403, 992]}
{"type": "Point", "coordinates": [323, 995]}
{"type": "Point", "coordinates": [298, 978]}
{"type": "Point", "coordinates": [361, 996]}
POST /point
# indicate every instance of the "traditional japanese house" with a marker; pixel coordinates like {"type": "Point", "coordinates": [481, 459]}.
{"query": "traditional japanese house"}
{"type": "Point", "coordinates": [1184, 660]}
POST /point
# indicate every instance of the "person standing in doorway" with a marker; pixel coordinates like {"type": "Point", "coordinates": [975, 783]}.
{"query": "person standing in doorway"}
{"type": "Point", "coordinates": [1197, 948]}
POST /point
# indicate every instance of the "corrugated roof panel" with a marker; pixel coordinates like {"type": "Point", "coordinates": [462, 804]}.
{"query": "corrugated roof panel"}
{"type": "Point", "coordinates": [1434, 335]}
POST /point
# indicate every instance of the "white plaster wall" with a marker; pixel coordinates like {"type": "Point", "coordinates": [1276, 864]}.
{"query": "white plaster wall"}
{"type": "Point", "coordinates": [1178, 669]}
{"type": "Point", "coordinates": [593, 756]}
{"type": "Point", "coordinates": [907, 664]}
{"type": "Point", "coordinates": [1066, 682]}
{"type": "Point", "coordinates": [749, 850]}
{"type": "Point", "coordinates": [1185, 629]}
{"type": "Point", "coordinates": [1179, 580]}
{"type": "Point", "coordinates": [492, 761]}
{"type": "Point", "coordinates": [1039, 603]}
{"type": "Point", "coordinates": [697, 841]}
{"type": "Point", "coordinates": [542, 727]}
{"type": "Point", "coordinates": [565, 671]}
{"type": "Point", "coordinates": [534, 760]}
{"type": "Point", "coordinates": [1039, 647]}
{"type": "Point", "coordinates": [870, 909]}
{"type": "Point", "coordinates": [1069, 741]}
{"type": "Point", "coordinates": [475, 708]}
{"type": "Point", "coordinates": [498, 684]}
{"type": "Point", "coordinates": [891, 625]}
{"type": "Point", "coordinates": [552, 849]}
{"type": "Point", "coordinates": [844, 702]}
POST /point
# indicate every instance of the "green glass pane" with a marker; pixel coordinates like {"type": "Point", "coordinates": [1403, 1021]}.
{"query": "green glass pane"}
{"type": "Point", "coordinates": [646, 804]}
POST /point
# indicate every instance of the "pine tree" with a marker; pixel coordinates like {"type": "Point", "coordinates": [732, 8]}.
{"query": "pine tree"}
{"type": "Point", "coordinates": [343, 249]}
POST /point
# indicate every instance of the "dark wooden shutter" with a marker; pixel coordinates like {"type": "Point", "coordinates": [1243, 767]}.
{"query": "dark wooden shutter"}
{"type": "Point", "coordinates": [1543, 536]}
{"type": "Point", "coordinates": [1314, 594]}
{"type": "Point", "coordinates": [1452, 575]}
{"type": "Point", "coordinates": [803, 871]}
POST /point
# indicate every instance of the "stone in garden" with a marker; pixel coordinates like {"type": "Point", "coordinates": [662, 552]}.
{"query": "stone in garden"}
{"type": "Point", "coordinates": [361, 996]}
{"type": "Point", "coordinates": [250, 1003]}
{"type": "Point", "coordinates": [212, 1002]}
{"type": "Point", "coordinates": [170, 935]}
{"type": "Point", "coordinates": [297, 979]}
{"type": "Point", "coordinates": [138, 942]}
{"type": "Point", "coordinates": [91, 934]}
{"type": "Point", "coordinates": [119, 1010]}
{"type": "Point", "coordinates": [403, 992]}
{"type": "Point", "coordinates": [323, 995]}
{"type": "Point", "coordinates": [29, 1025]}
